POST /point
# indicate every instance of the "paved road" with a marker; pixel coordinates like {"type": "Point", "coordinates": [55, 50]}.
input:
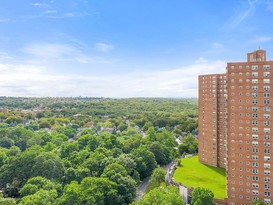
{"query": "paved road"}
{"type": "Point", "coordinates": [141, 189]}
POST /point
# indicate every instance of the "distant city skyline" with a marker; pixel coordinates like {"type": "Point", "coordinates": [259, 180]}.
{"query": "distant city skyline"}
{"type": "Point", "coordinates": [119, 48]}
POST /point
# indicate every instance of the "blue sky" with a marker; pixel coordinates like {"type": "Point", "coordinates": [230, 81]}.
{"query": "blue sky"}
{"type": "Point", "coordinates": [125, 48]}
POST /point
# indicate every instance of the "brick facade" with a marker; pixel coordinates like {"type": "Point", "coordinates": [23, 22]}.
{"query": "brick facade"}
{"type": "Point", "coordinates": [212, 112]}
{"type": "Point", "coordinates": [241, 115]}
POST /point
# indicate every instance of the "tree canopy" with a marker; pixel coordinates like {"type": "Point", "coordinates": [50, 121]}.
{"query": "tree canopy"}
{"type": "Point", "coordinates": [89, 150]}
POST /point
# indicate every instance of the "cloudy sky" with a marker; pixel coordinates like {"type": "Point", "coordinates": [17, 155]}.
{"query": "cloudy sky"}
{"type": "Point", "coordinates": [125, 48]}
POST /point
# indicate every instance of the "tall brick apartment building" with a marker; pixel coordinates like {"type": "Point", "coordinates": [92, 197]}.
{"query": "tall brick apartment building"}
{"type": "Point", "coordinates": [236, 127]}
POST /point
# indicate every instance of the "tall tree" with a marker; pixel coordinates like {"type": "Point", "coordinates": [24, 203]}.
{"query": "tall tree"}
{"type": "Point", "coordinates": [162, 196]}
{"type": "Point", "coordinates": [202, 196]}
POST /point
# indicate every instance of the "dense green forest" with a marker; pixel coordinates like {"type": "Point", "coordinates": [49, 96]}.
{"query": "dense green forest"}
{"type": "Point", "coordinates": [88, 150]}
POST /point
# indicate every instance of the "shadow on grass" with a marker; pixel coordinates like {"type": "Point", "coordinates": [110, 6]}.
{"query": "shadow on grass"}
{"type": "Point", "coordinates": [219, 170]}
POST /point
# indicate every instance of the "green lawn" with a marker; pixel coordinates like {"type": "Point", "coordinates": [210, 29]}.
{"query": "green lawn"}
{"type": "Point", "coordinates": [192, 173]}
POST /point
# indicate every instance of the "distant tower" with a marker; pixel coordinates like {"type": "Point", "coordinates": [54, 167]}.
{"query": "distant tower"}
{"type": "Point", "coordinates": [212, 119]}
{"type": "Point", "coordinates": [256, 56]}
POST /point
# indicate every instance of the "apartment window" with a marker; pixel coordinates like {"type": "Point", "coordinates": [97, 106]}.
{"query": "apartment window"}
{"type": "Point", "coordinates": [255, 150]}
{"type": "Point", "coordinates": [267, 193]}
{"type": "Point", "coordinates": [267, 87]}
{"type": "Point", "coordinates": [255, 109]}
{"type": "Point", "coordinates": [254, 122]}
{"type": "Point", "coordinates": [267, 151]}
{"type": "Point", "coordinates": [255, 171]}
{"type": "Point", "coordinates": [267, 166]}
{"type": "Point", "coordinates": [266, 95]}
{"type": "Point", "coordinates": [255, 87]}
{"type": "Point", "coordinates": [255, 185]}
{"type": "Point", "coordinates": [255, 115]}
{"type": "Point", "coordinates": [266, 123]}
{"type": "Point", "coordinates": [267, 179]}
{"type": "Point", "coordinates": [255, 143]}
{"type": "Point", "coordinates": [254, 95]}
{"type": "Point", "coordinates": [254, 67]}
{"type": "Point", "coordinates": [255, 192]}
{"type": "Point", "coordinates": [255, 137]}
{"type": "Point", "coordinates": [266, 130]}
{"type": "Point", "coordinates": [255, 129]}
{"type": "Point", "coordinates": [266, 67]}
{"type": "Point", "coordinates": [267, 172]}
{"type": "Point", "coordinates": [266, 109]}
{"type": "Point", "coordinates": [254, 102]}
{"type": "Point", "coordinates": [255, 198]}
{"type": "Point", "coordinates": [266, 102]}
{"type": "Point", "coordinates": [266, 74]}
{"type": "Point", "coordinates": [267, 144]}
{"type": "Point", "coordinates": [255, 157]}
{"type": "Point", "coordinates": [267, 186]}
{"type": "Point", "coordinates": [266, 158]}
{"type": "Point", "coordinates": [254, 81]}
{"type": "Point", "coordinates": [267, 137]}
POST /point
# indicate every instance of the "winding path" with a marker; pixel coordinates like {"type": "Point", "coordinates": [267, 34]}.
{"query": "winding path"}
{"type": "Point", "coordinates": [141, 189]}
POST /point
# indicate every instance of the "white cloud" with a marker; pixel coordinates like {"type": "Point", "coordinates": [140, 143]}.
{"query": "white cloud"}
{"type": "Point", "coordinates": [262, 39]}
{"type": "Point", "coordinates": [55, 15]}
{"type": "Point", "coordinates": [104, 47]}
{"type": "Point", "coordinates": [47, 50]}
{"type": "Point", "coordinates": [62, 52]}
{"type": "Point", "coordinates": [5, 56]}
{"type": "Point", "coordinates": [49, 11]}
{"type": "Point", "coordinates": [36, 4]}
{"type": "Point", "coordinates": [217, 45]}
{"type": "Point", "coordinates": [70, 14]}
{"type": "Point", "coordinates": [42, 5]}
{"type": "Point", "coordinates": [240, 15]}
{"type": "Point", "coordinates": [30, 80]}
{"type": "Point", "coordinates": [201, 60]}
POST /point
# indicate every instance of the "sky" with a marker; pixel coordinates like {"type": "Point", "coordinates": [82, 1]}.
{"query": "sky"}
{"type": "Point", "coordinates": [125, 48]}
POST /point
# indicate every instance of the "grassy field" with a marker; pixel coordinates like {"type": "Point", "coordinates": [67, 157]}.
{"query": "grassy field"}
{"type": "Point", "coordinates": [194, 174]}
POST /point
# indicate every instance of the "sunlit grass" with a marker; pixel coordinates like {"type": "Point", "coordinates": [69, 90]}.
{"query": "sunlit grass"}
{"type": "Point", "coordinates": [192, 173]}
